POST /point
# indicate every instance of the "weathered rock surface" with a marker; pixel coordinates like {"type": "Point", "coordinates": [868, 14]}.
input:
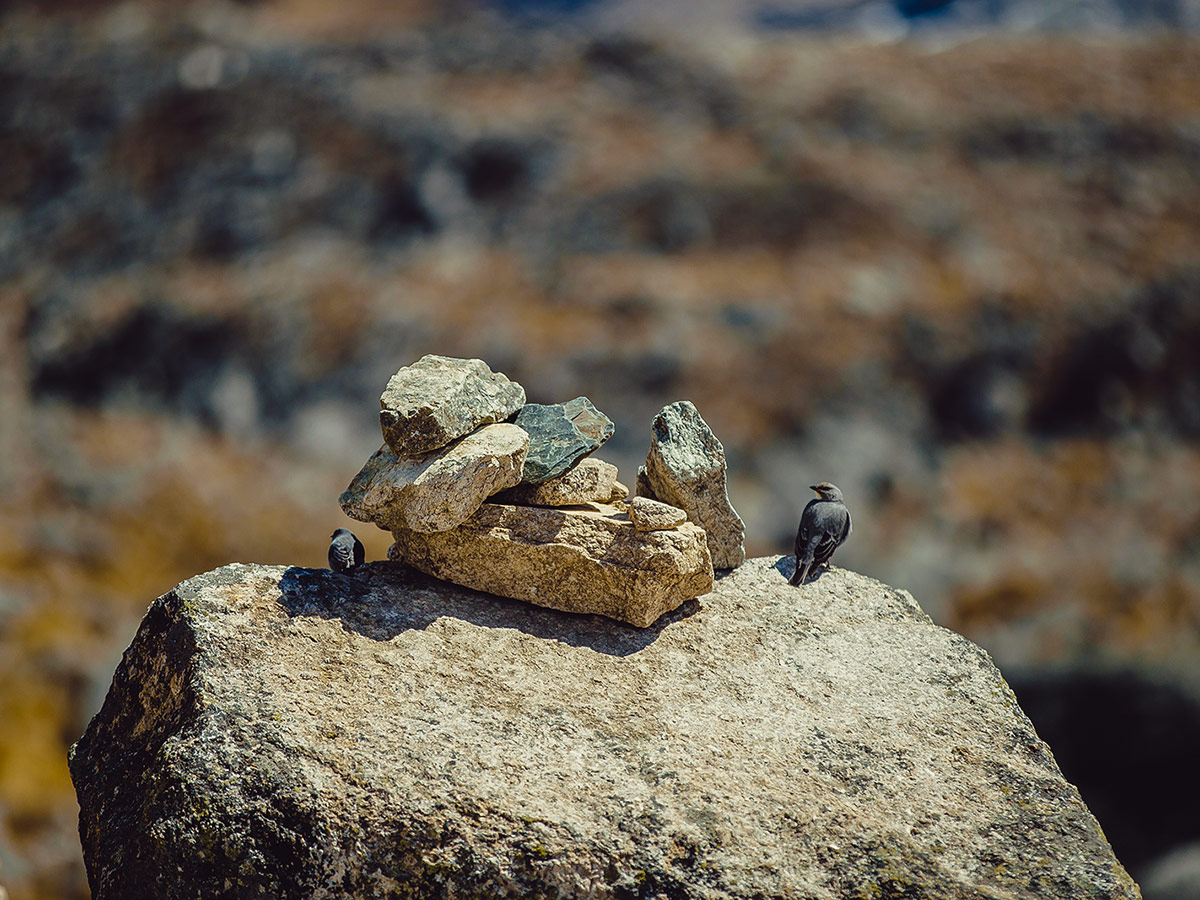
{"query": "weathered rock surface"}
{"type": "Point", "coordinates": [438, 399]}
{"type": "Point", "coordinates": [650, 515]}
{"type": "Point", "coordinates": [686, 468]}
{"type": "Point", "coordinates": [619, 492]}
{"type": "Point", "coordinates": [440, 490]}
{"type": "Point", "coordinates": [589, 481]}
{"type": "Point", "coordinates": [559, 434]}
{"type": "Point", "coordinates": [584, 559]}
{"type": "Point", "coordinates": [294, 733]}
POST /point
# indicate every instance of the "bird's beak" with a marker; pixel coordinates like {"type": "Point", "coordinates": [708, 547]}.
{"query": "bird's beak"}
{"type": "Point", "coordinates": [813, 487]}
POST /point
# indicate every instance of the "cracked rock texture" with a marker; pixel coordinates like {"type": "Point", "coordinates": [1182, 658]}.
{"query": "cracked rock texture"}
{"type": "Point", "coordinates": [440, 490]}
{"type": "Point", "coordinates": [438, 398]}
{"type": "Point", "coordinates": [584, 559]}
{"type": "Point", "coordinates": [289, 732]}
{"type": "Point", "coordinates": [685, 468]}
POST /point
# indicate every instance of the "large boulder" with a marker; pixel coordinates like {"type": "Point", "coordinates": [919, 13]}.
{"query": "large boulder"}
{"type": "Point", "coordinates": [439, 490]}
{"type": "Point", "coordinates": [287, 732]}
{"type": "Point", "coordinates": [587, 559]}
{"type": "Point", "coordinates": [439, 398]}
{"type": "Point", "coordinates": [685, 468]}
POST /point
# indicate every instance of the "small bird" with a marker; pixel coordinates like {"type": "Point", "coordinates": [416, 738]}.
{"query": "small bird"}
{"type": "Point", "coordinates": [824, 524]}
{"type": "Point", "coordinates": [345, 551]}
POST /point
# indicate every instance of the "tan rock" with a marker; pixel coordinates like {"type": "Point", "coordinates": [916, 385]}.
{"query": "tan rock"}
{"type": "Point", "coordinates": [650, 515]}
{"type": "Point", "coordinates": [437, 491]}
{"type": "Point", "coordinates": [438, 399]}
{"type": "Point", "coordinates": [291, 732]}
{"type": "Point", "coordinates": [591, 481]}
{"type": "Point", "coordinates": [619, 492]}
{"type": "Point", "coordinates": [584, 560]}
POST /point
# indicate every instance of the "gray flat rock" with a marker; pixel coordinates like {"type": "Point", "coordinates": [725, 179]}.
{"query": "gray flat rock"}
{"type": "Point", "coordinates": [559, 435]}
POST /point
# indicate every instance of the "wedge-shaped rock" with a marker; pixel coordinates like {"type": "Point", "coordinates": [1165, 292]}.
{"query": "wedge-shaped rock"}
{"type": "Point", "coordinates": [588, 560]}
{"type": "Point", "coordinates": [559, 434]}
{"type": "Point", "coordinates": [650, 515]}
{"type": "Point", "coordinates": [438, 399]}
{"type": "Point", "coordinates": [440, 490]}
{"type": "Point", "coordinates": [686, 468]}
{"type": "Point", "coordinates": [590, 481]}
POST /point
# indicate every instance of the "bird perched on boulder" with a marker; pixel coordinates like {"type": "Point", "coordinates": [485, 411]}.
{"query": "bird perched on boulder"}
{"type": "Point", "coordinates": [824, 524]}
{"type": "Point", "coordinates": [345, 551]}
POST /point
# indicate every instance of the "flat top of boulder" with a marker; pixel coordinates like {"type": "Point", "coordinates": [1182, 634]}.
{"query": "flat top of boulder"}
{"type": "Point", "coordinates": [392, 735]}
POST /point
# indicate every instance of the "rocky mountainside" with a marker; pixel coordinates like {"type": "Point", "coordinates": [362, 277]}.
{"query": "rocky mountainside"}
{"type": "Point", "coordinates": [293, 732]}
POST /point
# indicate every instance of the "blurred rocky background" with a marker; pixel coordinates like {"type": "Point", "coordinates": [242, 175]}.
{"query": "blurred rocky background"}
{"type": "Point", "coordinates": [943, 254]}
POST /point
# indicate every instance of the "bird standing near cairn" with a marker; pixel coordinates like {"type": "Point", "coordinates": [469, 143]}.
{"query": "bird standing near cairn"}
{"type": "Point", "coordinates": [824, 525]}
{"type": "Point", "coordinates": [346, 551]}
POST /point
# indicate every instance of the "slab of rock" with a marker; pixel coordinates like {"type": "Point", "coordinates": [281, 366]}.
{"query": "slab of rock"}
{"type": "Point", "coordinates": [686, 468]}
{"type": "Point", "coordinates": [559, 434]}
{"type": "Point", "coordinates": [591, 480]}
{"type": "Point", "coordinates": [650, 515]}
{"type": "Point", "coordinates": [286, 732]}
{"type": "Point", "coordinates": [438, 399]}
{"type": "Point", "coordinates": [440, 490]}
{"type": "Point", "coordinates": [619, 492]}
{"type": "Point", "coordinates": [583, 559]}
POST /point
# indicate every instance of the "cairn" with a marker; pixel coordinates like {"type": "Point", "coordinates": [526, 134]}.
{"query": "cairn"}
{"type": "Point", "coordinates": [482, 489]}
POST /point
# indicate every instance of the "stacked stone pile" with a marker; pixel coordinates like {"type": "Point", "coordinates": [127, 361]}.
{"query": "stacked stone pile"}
{"type": "Point", "coordinates": [480, 488]}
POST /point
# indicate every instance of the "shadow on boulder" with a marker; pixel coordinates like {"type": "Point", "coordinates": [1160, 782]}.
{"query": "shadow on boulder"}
{"type": "Point", "coordinates": [355, 600]}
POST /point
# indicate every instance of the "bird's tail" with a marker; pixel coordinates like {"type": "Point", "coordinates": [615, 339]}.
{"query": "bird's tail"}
{"type": "Point", "coordinates": [804, 564]}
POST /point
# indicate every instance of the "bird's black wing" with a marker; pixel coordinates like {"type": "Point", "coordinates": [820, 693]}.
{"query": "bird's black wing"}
{"type": "Point", "coordinates": [360, 554]}
{"type": "Point", "coordinates": [831, 523]}
{"type": "Point", "coordinates": [806, 521]}
{"type": "Point", "coordinates": [341, 555]}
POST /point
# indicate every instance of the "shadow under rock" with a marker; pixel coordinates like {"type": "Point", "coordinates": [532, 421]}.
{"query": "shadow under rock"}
{"type": "Point", "coordinates": [363, 602]}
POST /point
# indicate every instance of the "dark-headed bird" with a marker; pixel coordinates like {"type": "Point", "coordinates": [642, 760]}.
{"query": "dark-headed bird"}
{"type": "Point", "coordinates": [823, 526]}
{"type": "Point", "coordinates": [345, 551]}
